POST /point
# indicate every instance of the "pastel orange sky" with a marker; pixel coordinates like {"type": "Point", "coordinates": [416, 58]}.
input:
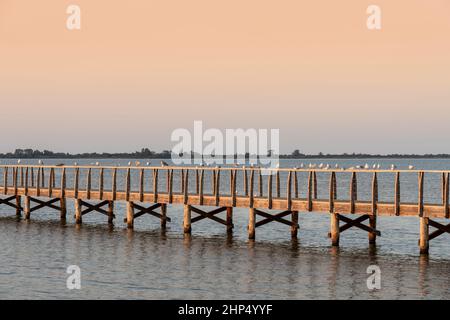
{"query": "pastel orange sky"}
{"type": "Point", "coordinates": [139, 69]}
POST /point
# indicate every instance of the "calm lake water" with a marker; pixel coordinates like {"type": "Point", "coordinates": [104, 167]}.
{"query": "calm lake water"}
{"type": "Point", "coordinates": [147, 263]}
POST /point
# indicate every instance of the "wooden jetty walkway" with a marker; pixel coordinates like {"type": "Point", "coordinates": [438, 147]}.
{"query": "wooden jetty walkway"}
{"type": "Point", "coordinates": [30, 188]}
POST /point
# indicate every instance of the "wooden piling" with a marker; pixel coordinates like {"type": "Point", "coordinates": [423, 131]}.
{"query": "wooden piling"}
{"type": "Point", "coordinates": [334, 229]}
{"type": "Point", "coordinates": [294, 226]}
{"type": "Point", "coordinates": [78, 214]}
{"type": "Point", "coordinates": [187, 219]}
{"type": "Point", "coordinates": [373, 215]}
{"type": "Point", "coordinates": [251, 224]}
{"type": "Point", "coordinates": [18, 206]}
{"type": "Point", "coordinates": [62, 199]}
{"type": "Point", "coordinates": [27, 208]}
{"type": "Point", "coordinates": [163, 216]}
{"type": "Point", "coordinates": [229, 220]}
{"type": "Point", "coordinates": [130, 214]}
{"type": "Point", "coordinates": [110, 212]}
{"type": "Point", "coordinates": [424, 233]}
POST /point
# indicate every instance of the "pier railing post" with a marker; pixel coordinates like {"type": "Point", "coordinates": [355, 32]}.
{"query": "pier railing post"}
{"type": "Point", "coordinates": [294, 226]}
{"type": "Point", "coordinates": [18, 206]}
{"type": "Point", "coordinates": [187, 219]}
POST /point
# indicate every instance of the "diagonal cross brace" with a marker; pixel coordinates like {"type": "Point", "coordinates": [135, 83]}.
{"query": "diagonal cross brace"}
{"type": "Point", "coordinates": [42, 204]}
{"type": "Point", "coordinates": [277, 217]}
{"type": "Point", "coordinates": [149, 210]}
{"type": "Point", "coordinates": [8, 203]}
{"type": "Point", "coordinates": [97, 207]}
{"type": "Point", "coordinates": [357, 223]}
{"type": "Point", "coordinates": [209, 215]}
{"type": "Point", "coordinates": [441, 229]}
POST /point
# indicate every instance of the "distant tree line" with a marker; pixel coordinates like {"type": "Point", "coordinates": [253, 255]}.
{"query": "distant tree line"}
{"type": "Point", "coordinates": [146, 153]}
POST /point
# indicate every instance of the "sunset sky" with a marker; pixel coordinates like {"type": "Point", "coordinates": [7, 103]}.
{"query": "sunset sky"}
{"type": "Point", "coordinates": [139, 69]}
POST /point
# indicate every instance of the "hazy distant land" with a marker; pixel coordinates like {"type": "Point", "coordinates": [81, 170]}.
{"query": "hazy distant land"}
{"type": "Point", "coordinates": [146, 153]}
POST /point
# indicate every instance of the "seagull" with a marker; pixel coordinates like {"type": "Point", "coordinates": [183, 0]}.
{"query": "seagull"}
{"type": "Point", "coordinates": [327, 167]}
{"type": "Point", "coordinates": [18, 161]}
{"type": "Point", "coordinates": [97, 163]}
{"type": "Point", "coordinates": [366, 166]}
{"type": "Point", "coordinates": [41, 162]}
{"type": "Point", "coordinates": [392, 166]}
{"type": "Point", "coordinates": [321, 166]}
{"type": "Point", "coordinates": [358, 167]}
{"type": "Point", "coordinates": [75, 163]}
{"type": "Point", "coordinates": [336, 166]}
{"type": "Point", "coordinates": [148, 163]}
{"type": "Point", "coordinates": [374, 166]}
{"type": "Point", "coordinates": [164, 164]}
{"type": "Point", "coordinates": [301, 165]}
{"type": "Point", "coordinates": [129, 163]}
{"type": "Point", "coordinates": [411, 167]}
{"type": "Point", "coordinates": [378, 166]}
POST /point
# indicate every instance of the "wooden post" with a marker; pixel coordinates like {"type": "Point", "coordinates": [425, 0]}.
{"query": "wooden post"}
{"type": "Point", "coordinates": [201, 187]}
{"type": "Point", "coordinates": [62, 200]}
{"type": "Point", "coordinates": [100, 184]}
{"type": "Point", "coordinates": [78, 215]}
{"type": "Point", "coordinates": [163, 215]}
{"type": "Point", "coordinates": [397, 194]}
{"type": "Point", "coordinates": [19, 206]}
{"type": "Point", "coordinates": [5, 180]}
{"type": "Point", "coordinates": [217, 187]}
{"type": "Point", "coordinates": [353, 192]}
{"type": "Point", "coordinates": [269, 190]}
{"type": "Point", "coordinates": [155, 185]}
{"type": "Point", "coordinates": [294, 226]}
{"type": "Point", "coordinates": [252, 173]}
{"type": "Point", "coordinates": [233, 188]}
{"type": "Point", "coordinates": [424, 232]}
{"type": "Point", "coordinates": [446, 195]}
{"type": "Point", "coordinates": [187, 219]}
{"type": "Point", "coordinates": [27, 207]}
{"type": "Point", "coordinates": [141, 185]}
{"type": "Point", "coordinates": [245, 182]}
{"type": "Point", "coordinates": [251, 224]}
{"type": "Point", "coordinates": [260, 183]}
{"type": "Point", "coordinates": [373, 216]}
{"type": "Point", "coordinates": [424, 227]}
{"type": "Point", "coordinates": [334, 217]}
{"type": "Point", "coordinates": [334, 229]}
{"type": "Point", "coordinates": [229, 220]}
{"type": "Point", "coordinates": [130, 214]}
{"type": "Point", "coordinates": [315, 185]}
{"type": "Point", "coordinates": [114, 184]}
{"type": "Point", "coordinates": [295, 185]}
{"type": "Point", "coordinates": [127, 188]}
{"type": "Point", "coordinates": [310, 186]}
{"type": "Point", "coordinates": [277, 184]}
{"type": "Point", "coordinates": [288, 192]}
{"type": "Point", "coordinates": [110, 212]}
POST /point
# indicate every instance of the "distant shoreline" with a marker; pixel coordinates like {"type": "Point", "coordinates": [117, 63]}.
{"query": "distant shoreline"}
{"type": "Point", "coordinates": [145, 153]}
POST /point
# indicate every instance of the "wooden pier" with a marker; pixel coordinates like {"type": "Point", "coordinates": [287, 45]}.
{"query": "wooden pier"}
{"type": "Point", "coordinates": [269, 198]}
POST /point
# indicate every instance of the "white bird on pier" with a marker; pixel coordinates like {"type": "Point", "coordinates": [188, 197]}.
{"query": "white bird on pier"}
{"type": "Point", "coordinates": [358, 167]}
{"type": "Point", "coordinates": [374, 166]}
{"type": "Point", "coordinates": [75, 163]}
{"type": "Point", "coordinates": [129, 163]}
{"type": "Point", "coordinates": [321, 166]}
{"type": "Point", "coordinates": [378, 166]}
{"type": "Point", "coordinates": [148, 163]}
{"type": "Point", "coordinates": [18, 161]}
{"type": "Point", "coordinates": [411, 167]}
{"type": "Point", "coordinates": [336, 166]}
{"type": "Point", "coordinates": [164, 164]}
{"type": "Point", "coordinates": [97, 163]}
{"type": "Point", "coordinates": [366, 166]}
{"type": "Point", "coordinates": [327, 167]}
{"type": "Point", "coordinates": [302, 165]}
{"type": "Point", "coordinates": [393, 167]}
{"type": "Point", "coordinates": [41, 162]}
